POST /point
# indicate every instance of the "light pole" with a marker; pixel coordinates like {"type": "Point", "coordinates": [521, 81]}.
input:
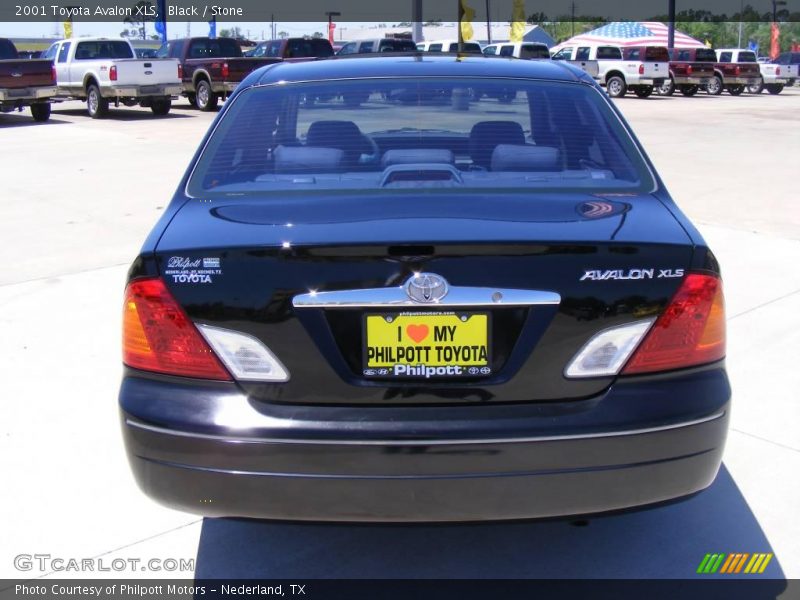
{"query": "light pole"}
{"type": "Point", "coordinates": [331, 26]}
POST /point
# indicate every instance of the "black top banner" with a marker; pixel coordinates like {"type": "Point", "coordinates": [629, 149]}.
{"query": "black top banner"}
{"type": "Point", "coordinates": [395, 11]}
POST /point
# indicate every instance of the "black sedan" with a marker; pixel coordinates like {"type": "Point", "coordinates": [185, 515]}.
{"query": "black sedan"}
{"type": "Point", "coordinates": [431, 306]}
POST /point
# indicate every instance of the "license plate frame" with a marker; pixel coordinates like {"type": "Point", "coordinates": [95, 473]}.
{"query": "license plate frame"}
{"type": "Point", "coordinates": [471, 358]}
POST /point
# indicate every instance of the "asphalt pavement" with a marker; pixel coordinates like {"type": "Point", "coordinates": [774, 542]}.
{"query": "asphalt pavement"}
{"type": "Point", "coordinates": [80, 196]}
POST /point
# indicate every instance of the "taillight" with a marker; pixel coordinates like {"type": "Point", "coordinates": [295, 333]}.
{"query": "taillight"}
{"type": "Point", "coordinates": [158, 336]}
{"type": "Point", "coordinates": [641, 69]}
{"type": "Point", "coordinates": [180, 71]}
{"type": "Point", "coordinates": [53, 77]}
{"type": "Point", "coordinates": [225, 70]}
{"type": "Point", "coordinates": [777, 70]}
{"type": "Point", "coordinates": [689, 69]}
{"type": "Point", "coordinates": [691, 331]}
{"type": "Point", "coordinates": [112, 73]}
{"type": "Point", "coordinates": [737, 70]}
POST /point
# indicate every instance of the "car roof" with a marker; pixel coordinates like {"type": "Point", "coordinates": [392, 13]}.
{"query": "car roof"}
{"type": "Point", "coordinates": [413, 64]}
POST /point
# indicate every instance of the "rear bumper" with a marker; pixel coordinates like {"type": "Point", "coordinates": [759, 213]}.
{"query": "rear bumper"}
{"type": "Point", "coordinates": [232, 458]}
{"type": "Point", "coordinates": [27, 94]}
{"type": "Point", "coordinates": [692, 80]}
{"type": "Point", "coordinates": [136, 91]}
{"type": "Point", "coordinates": [742, 80]}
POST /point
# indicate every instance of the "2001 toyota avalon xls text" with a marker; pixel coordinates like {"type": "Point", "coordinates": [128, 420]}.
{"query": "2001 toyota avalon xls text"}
{"type": "Point", "coordinates": [427, 305]}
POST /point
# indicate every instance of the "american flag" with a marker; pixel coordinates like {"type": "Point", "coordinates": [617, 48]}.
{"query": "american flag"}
{"type": "Point", "coordinates": [630, 33]}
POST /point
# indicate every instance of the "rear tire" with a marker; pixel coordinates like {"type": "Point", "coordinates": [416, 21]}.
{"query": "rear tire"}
{"type": "Point", "coordinates": [689, 90]}
{"type": "Point", "coordinates": [96, 105]}
{"type": "Point", "coordinates": [40, 112]}
{"type": "Point", "coordinates": [643, 91]}
{"type": "Point", "coordinates": [161, 106]}
{"type": "Point", "coordinates": [667, 88]}
{"type": "Point", "coordinates": [757, 88]}
{"type": "Point", "coordinates": [616, 86]}
{"type": "Point", "coordinates": [205, 99]}
{"type": "Point", "coordinates": [774, 88]}
{"type": "Point", "coordinates": [735, 90]}
{"type": "Point", "coordinates": [714, 87]}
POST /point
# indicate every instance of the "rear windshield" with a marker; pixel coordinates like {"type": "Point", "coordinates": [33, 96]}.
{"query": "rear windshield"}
{"type": "Point", "coordinates": [7, 50]}
{"type": "Point", "coordinates": [216, 48]}
{"type": "Point", "coordinates": [430, 133]}
{"type": "Point", "coordinates": [747, 57]}
{"type": "Point", "coordinates": [466, 47]}
{"type": "Point", "coordinates": [102, 50]}
{"type": "Point", "coordinates": [533, 51]}
{"type": "Point", "coordinates": [654, 53]}
{"type": "Point", "coordinates": [305, 48]}
{"type": "Point", "coordinates": [390, 45]}
{"type": "Point", "coordinates": [705, 55]}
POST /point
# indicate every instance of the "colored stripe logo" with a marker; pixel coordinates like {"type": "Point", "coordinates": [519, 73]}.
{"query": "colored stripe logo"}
{"type": "Point", "coordinates": [733, 563]}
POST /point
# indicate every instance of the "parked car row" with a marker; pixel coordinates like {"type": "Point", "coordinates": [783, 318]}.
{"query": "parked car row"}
{"type": "Point", "coordinates": [101, 71]}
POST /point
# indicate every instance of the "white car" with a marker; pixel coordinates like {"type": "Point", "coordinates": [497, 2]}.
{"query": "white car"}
{"type": "Point", "coordinates": [634, 69]}
{"type": "Point", "coordinates": [527, 50]}
{"type": "Point", "coordinates": [773, 77]}
{"type": "Point", "coordinates": [449, 46]}
{"type": "Point", "coordinates": [101, 70]}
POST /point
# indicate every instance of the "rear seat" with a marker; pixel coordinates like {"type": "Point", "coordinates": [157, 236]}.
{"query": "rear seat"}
{"type": "Point", "coordinates": [304, 159]}
{"type": "Point", "coordinates": [512, 157]}
{"type": "Point", "coordinates": [414, 156]}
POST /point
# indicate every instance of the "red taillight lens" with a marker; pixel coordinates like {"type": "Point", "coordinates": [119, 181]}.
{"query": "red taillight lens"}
{"type": "Point", "coordinates": [180, 71]}
{"type": "Point", "coordinates": [53, 73]}
{"type": "Point", "coordinates": [691, 331]}
{"type": "Point", "coordinates": [225, 70]}
{"type": "Point", "coordinates": [158, 336]}
{"type": "Point", "coordinates": [689, 69]}
{"type": "Point", "coordinates": [777, 70]}
{"type": "Point", "coordinates": [112, 73]}
{"type": "Point", "coordinates": [641, 69]}
{"type": "Point", "coordinates": [737, 70]}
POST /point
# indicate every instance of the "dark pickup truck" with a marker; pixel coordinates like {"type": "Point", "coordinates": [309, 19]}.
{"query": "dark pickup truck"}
{"type": "Point", "coordinates": [25, 82]}
{"type": "Point", "coordinates": [212, 68]}
{"type": "Point", "coordinates": [731, 75]}
{"type": "Point", "coordinates": [689, 70]}
{"type": "Point", "coordinates": [295, 49]}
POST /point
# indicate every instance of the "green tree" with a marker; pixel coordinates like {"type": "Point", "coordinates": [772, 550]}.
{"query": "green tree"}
{"type": "Point", "coordinates": [142, 13]}
{"type": "Point", "coordinates": [233, 32]}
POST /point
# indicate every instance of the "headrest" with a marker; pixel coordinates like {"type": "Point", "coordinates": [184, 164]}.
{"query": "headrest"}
{"type": "Point", "coordinates": [332, 134]}
{"type": "Point", "coordinates": [485, 135]}
{"type": "Point", "coordinates": [302, 159]}
{"type": "Point", "coordinates": [507, 157]}
{"type": "Point", "coordinates": [414, 156]}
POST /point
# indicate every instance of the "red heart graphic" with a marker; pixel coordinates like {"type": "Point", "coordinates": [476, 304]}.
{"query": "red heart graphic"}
{"type": "Point", "coordinates": [417, 332]}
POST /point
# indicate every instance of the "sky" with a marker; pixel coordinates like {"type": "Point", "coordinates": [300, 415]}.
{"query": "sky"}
{"type": "Point", "coordinates": [257, 31]}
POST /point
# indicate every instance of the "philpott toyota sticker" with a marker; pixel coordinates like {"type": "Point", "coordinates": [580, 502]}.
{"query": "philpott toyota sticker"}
{"type": "Point", "coordinates": [193, 270]}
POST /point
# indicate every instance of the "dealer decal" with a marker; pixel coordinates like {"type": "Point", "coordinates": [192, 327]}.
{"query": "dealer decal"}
{"type": "Point", "coordinates": [193, 270]}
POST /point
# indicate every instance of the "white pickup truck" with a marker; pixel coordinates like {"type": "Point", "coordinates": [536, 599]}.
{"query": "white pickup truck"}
{"type": "Point", "coordinates": [101, 70]}
{"type": "Point", "coordinates": [639, 72]}
{"type": "Point", "coordinates": [773, 77]}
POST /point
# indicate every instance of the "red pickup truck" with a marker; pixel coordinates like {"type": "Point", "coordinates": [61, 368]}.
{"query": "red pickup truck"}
{"type": "Point", "coordinates": [212, 68]}
{"type": "Point", "coordinates": [689, 70]}
{"type": "Point", "coordinates": [25, 82]}
{"type": "Point", "coordinates": [733, 76]}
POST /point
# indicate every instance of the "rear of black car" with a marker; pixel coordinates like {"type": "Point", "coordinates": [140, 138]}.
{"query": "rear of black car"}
{"type": "Point", "coordinates": [427, 314]}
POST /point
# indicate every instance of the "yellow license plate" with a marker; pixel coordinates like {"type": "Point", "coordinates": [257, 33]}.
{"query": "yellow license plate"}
{"type": "Point", "coordinates": [444, 344]}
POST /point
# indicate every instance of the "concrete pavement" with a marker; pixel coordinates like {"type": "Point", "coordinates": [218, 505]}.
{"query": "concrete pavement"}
{"type": "Point", "coordinates": [82, 196]}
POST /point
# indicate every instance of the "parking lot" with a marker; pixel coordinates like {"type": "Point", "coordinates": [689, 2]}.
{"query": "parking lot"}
{"type": "Point", "coordinates": [80, 196]}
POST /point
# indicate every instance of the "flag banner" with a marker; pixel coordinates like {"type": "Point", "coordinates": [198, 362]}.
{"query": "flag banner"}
{"type": "Point", "coordinates": [67, 29]}
{"type": "Point", "coordinates": [518, 20]}
{"type": "Point", "coordinates": [467, 13]}
{"type": "Point", "coordinates": [774, 46]}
